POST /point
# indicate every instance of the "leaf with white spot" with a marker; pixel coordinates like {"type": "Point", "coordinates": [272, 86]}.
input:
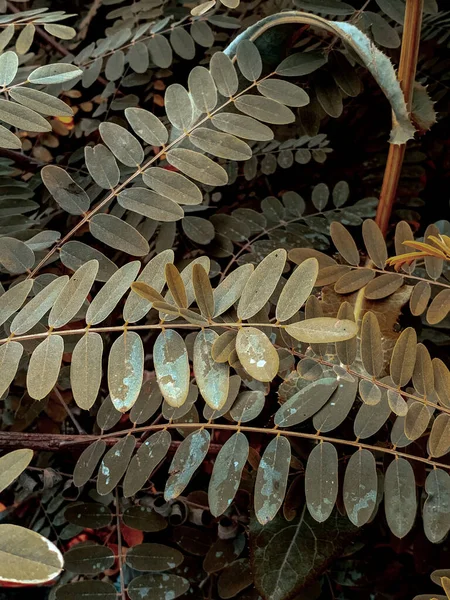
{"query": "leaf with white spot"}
{"type": "Point", "coordinates": [360, 487]}
{"type": "Point", "coordinates": [172, 367]}
{"type": "Point", "coordinates": [125, 370]}
{"type": "Point", "coordinates": [306, 402]}
{"type": "Point", "coordinates": [114, 465]}
{"type": "Point", "coordinates": [188, 457]}
{"type": "Point", "coordinates": [257, 354]}
{"type": "Point", "coordinates": [271, 479]}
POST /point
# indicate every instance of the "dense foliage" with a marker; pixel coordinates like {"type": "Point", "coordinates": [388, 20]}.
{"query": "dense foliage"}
{"type": "Point", "coordinates": [224, 300]}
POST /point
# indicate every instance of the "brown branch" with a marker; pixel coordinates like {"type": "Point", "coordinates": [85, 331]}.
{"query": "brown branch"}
{"type": "Point", "coordinates": [27, 163]}
{"type": "Point", "coordinates": [406, 74]}
{"type": "Point", "coordinates": [49, 442]}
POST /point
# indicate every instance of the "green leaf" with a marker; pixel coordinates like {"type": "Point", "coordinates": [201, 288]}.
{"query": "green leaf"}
{"type": "Point", "coordinates": [257, 354]}
{"type": "Point", "coordinates": [160, 51]}
{"type": "Point", "coordinates": [172, 367]}
{"type": "Point", "coordinates": [297, 289]}
{"type": "Point", "coordinates": [436, 510]}
{"type": "Point", "coordinates": [9, 63]}
{"type": "Point", "coordinates": [102, 166]}
{"type": "Point", "coordinates": [75, 254]}
{"type": "Point", "coordinates": [144, 518]}
{"type": "Point", "coordinates": [322, 330]}
{"type": "Point", "coordinates": [122, 144]}
{"type": "Point", "coordinates": [230, 289]}
{"type": "Point", "coordinates": [247, 406]}
{"type": "Point", "coordinates": [284, 92]}
{"type": "Point", "coordinates": [87, 462]}
{"type": "Point", "coordinates": [125, 370]}
{"type": "Point", "coordinates": [202, 89]}
{"type": "Point", "coordinates": [182, 43]}
{"type": "Point", "coordinates": [245, 127]}
{"type": "Point", "coordinates": [149, 204]}
{"type": "Point", "coordinates": [86, 369]}
{"type": "Point", "coordinates": [400, 503]}
{"type": "Point", "coordinates": [227, 472]}
{"type": "Point", "coordinates": [12, 465]}
{"type": "Point", "coordinates": [9, 140]}
{"type": "Point", "coordinates": [264, 109]}
{"type": "Point", "coordinates": [179, 107]}
{"type": "Point", "coordinates": [15, 255]}
{"type": "Point", "coordinates": [36, 308]}
{"type": "Point", "coordinates": [302, 63]}
{"type": "Point", "coordinates": [118, 234]}
{"type": "Point", "coordinates": [88, 558]}
{"type": "Point", "coordinates": [321, 481]}
{"type": "Point", "coordinates": [197, 166]}
{"type": "Point", "coordinates": [172, 185]}
{"type": "Point", "coordinates": [261, 284]}
{"type": "Point", "coordinates": [249, 60]}
{"type": "Point", "coordinates": [62, 32]}
{"type": "Point", "coordinates": [44, 367]}
{"type": "Point", "coordinates": [306, 402]}
{"type": "Point", "coordinates": [224, 74]}
{"type": "Point", "coordinates": [271, 479]}
{"type": "Point", "coordinates": [25, 38]}
{"type": "Point", "coordinates": [153, 557]}
{"type": "Point", "coordinates": [27, 557]}
{"type": "Point", "coordinates": [286, 556]}
{"type": "Point", "coordinates": [157, 587]}
{"type": "Point", "coordinates": [188, 457]}
{"type": "Point", "coordinates": [114, 464]}
{"type": "Point", "coordinates": [222, 145]}
{"type": "Point", "coordinates": [145, 461]}
{"type": "Point", "coordinates": [153, 275]}
{"type": "Point", "coordinates": [211, 377]}
{"type": "Point", "coordinates": [56, 73]}
{"type": "Point", "coordinates": [41, 102]}
{"type": "Point", "coordinates": [87, 590]}
{"type": "Point", "coordinates": [68, 194]}
{"type": "Point", "coordinates": [360, 487]}
{"type": "Point", "coordinates": [10, 355]}
{"type": "Point", "coordinates": [73, 295]}
{"type": "Point", "coordinates": [110, 294]}
{"type": "Point", "coordinates": [147, 126]}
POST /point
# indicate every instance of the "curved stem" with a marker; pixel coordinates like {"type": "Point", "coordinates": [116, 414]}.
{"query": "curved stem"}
{"type": "Point", "coordinates": [406, 75]}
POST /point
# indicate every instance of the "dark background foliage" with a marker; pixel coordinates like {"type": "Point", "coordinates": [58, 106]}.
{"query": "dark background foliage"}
{"type": "Point", "coordinates": [365, 563]}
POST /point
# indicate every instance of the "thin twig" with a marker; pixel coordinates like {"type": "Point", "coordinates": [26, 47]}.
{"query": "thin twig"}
{"type": "Point", "coordinates": [59, 442]}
